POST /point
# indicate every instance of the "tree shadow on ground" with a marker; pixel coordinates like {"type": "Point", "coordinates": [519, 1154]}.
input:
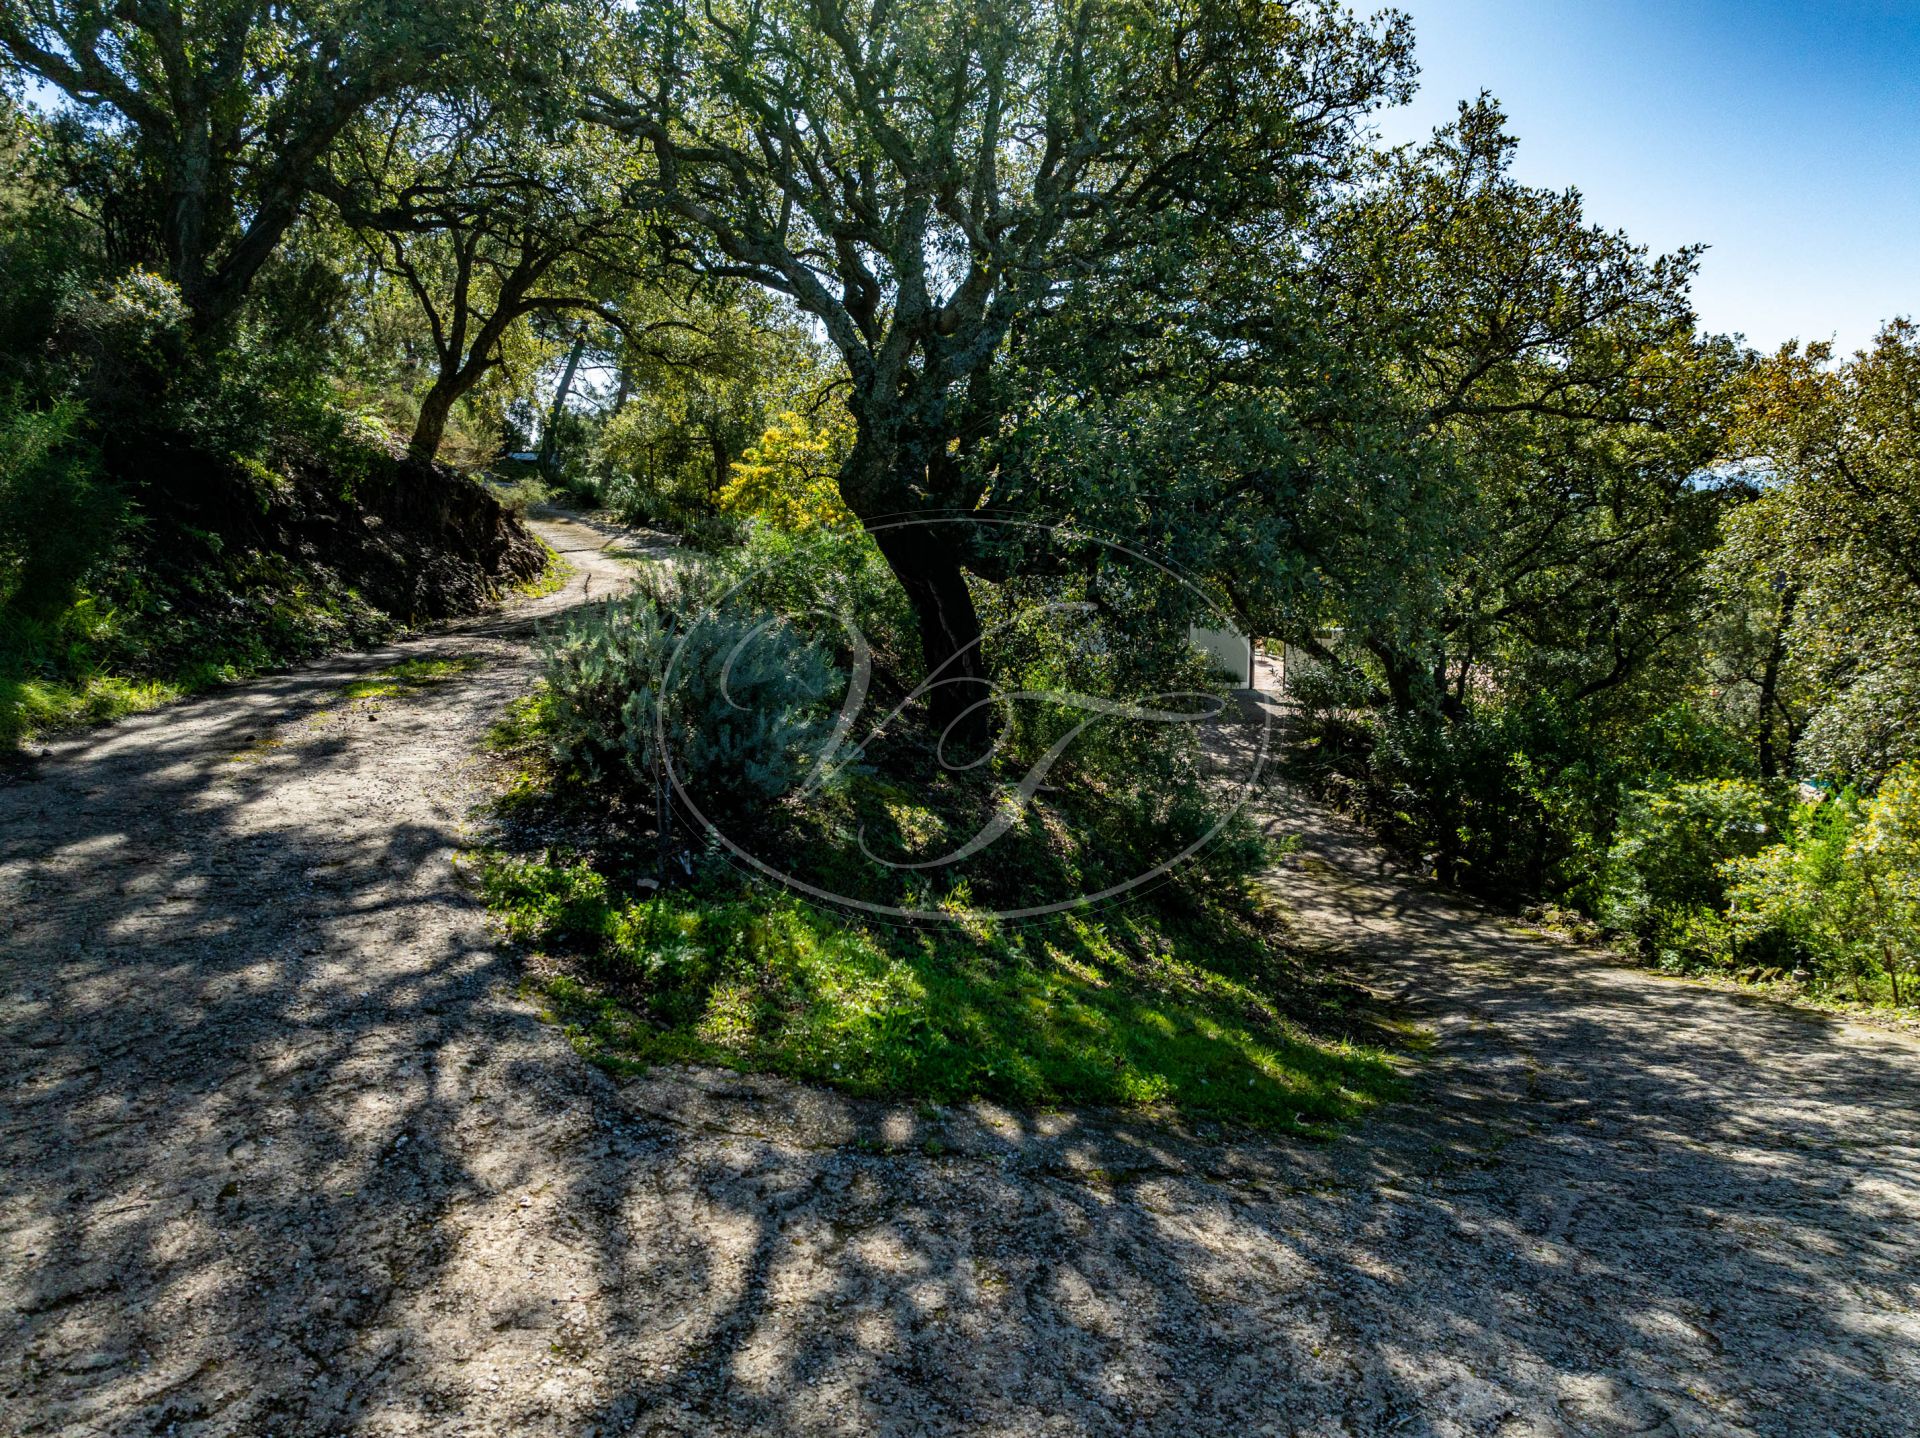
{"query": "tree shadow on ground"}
{"type": "Point", "coordinates": [286, 1155]}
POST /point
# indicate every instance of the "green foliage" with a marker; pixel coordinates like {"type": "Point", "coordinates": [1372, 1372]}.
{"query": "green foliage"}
{"type": "Point", "coordinates": [1828, 554]}
{"type": "Point", "coordinates": [1458, 432]}
{"type": "Point", "coordinates": [788, 477]}
{"type": "Point", "coordinates": [1122, 796]}
{"type": "Point", "coordinates": [1132, 125]}
{"type": "Point", "coordinates": [1666, 869]}
{"type": "Point", "coordinates": [707, 376]}
{"type": "Point", "coordinates": [44, 248]}
{"type": "Point", "coordinates": [738, 697]}
{"type": "Point", "coordinates": [216, 116]}
{"type": "Point", "coordinates": [787, 571]}
{"type": "Point", "coordinates": [1445, 415]}
{"type": "Point", "coordinates": [1456, 790]}
{"type": "Point", "coordinates": [57, 517]}
{"type": "Point", "coordinates": [486, 218]}
{"type": "Point", "coordinates": [1509, 799]}
{"type": "Point", "coordinates": [1841, 895]}
{"type": "Point", "coordinates": [745, 708]}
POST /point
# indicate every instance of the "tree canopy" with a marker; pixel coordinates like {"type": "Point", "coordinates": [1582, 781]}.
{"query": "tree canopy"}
{"type": "Point", "coordinates": [230, 108]}
{"type": "Point", "coordinates": [921, 179]}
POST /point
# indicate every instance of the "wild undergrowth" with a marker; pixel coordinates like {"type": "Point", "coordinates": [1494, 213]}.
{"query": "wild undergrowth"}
{"type": "Point", "coordinates": [148, 624]}
{"type": "Point", "coordinates": [651, 940]}
{"type": "Point", "coordinates": [139, 637]}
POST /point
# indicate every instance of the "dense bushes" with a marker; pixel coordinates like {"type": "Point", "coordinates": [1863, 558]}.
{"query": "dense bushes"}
{"type": "Point", "coordinates": [737, 697]}
{"type": "Point", "coordinates": [57, 516]}
{"type": "Point", "coordinates": [1652, 829]}
{"type": "Point", "coordinates": [797, 624]}
{"type": "Point", "coordinates": [1841, 894]}
{"type": "Point", "coordinates": [1724, 876]}
{"type": "Point", "coordinates": [1511, 800]}
{"type": "Point", "coordinates": [1665, 877]}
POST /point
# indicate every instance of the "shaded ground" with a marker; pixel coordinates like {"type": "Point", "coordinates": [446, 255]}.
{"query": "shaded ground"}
{"type": "Point", "coordinates": [285, 1154]}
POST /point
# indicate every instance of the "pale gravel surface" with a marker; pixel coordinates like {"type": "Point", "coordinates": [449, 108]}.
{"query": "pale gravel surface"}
{"type": "Point", "coordinates": [285, 1154]}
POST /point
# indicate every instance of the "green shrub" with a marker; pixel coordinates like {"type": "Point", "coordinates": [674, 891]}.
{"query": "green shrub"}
{"type": "Point", "coordinates": [1500, 799]}
{"type": "Point", "coordinates": [711, 533]}
{"type": "Point", "coordinates": [1666, 877]}
{"type": "Point", "coordinates": [1450, 791]}
{"type": "Point", "coordinates": [1325, 693]}
{"type": "Point", "coordinates": [1841, 894]}
{"type": "Point", "coordinates": [1517, 799]}
{"type": "Point", "coordinates": [745, 697]}
{"type": "Point", "coordinates": [57, 516]}
{"type": "Point", "coordinates": [823, 578]}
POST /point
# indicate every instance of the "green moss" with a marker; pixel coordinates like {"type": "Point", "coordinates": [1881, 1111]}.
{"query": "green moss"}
{"type": "Point", "coordinates": [551, 579]}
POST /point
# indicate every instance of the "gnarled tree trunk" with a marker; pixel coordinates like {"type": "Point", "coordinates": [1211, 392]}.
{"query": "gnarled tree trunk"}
{"type": "Point", "coordinates": [925, 557]}
{"type": "Point", "coordinates": [431, 426]}
{"type": "Point", "coordinates": [884, 482]}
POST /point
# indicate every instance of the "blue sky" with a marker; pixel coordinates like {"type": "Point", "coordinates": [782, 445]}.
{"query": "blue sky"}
{"type": "Point", "coordinates": [1783, 134]}
{"type": "Point", "coordinates": [1786, 136]}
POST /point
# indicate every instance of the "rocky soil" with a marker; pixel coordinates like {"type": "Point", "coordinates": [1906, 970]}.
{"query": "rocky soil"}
{"type": "Point", "coordinates": [285, 1153]}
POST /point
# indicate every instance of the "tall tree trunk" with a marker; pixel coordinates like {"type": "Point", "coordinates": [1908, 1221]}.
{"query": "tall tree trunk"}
{"type": "Point", "coordinates": [1401, 674]}
{"type": "Point", "coordinates": [925, 559]}
{"type": "Point", "coordinates": [550, 436]}
{"type": "Point", "coordinates": [189, 179]}
{"type": "Point", "coordinates": [1770, 684]}
{"type": "Point", "coordinates": [431, 427]}
{"type": "Point", "coordinates": [722, 464]}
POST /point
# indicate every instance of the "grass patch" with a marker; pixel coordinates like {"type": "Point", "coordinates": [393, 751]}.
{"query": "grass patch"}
{"type": "Point", "coordinates": [147, 637]}
{"type": "Point", "coordinates": [410, 676]}
{"type": "Point", "coordinates": [30, 706]}
{"type": "Point", "coordinates": [1201, 1015]}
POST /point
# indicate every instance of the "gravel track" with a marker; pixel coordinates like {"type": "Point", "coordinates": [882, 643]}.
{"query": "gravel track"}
{"type": "Point", "coordinates": [286, 1154]}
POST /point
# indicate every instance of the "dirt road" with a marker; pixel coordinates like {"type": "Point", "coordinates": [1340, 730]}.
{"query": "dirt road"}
{"type": "Point", "coordinates": [284, 1153]}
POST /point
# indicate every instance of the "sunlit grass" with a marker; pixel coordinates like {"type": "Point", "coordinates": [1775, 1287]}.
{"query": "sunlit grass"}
{"type": "Point", "coordinates": [1130, 1009]}
{"type": "Point", "coordinates": [411, 676]}
{"type": "Point", "coordinates": [551, 579]}
{"type": "Point", "coordinates": [32, 706]}
{"type": "Point", "coordinates": [59, 673]}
